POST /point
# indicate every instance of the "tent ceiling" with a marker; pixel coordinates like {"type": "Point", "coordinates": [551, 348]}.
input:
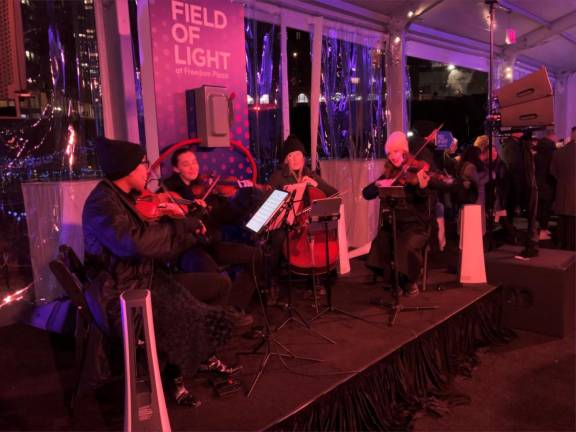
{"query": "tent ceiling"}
{"type": "Point", "coordinates": [549, 24]}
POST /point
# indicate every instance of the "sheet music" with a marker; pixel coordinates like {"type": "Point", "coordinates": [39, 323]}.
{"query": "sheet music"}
{"type": "Point", "coordinates": [297, 189]}
{"type": "Point", "coordinates": [267, 210]}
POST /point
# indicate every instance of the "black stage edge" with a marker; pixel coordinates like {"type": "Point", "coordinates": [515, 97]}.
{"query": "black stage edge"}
{"type": "Point", "coordinates": [375, 378]}
{"type": "Point", "coordinates": [386, 395]}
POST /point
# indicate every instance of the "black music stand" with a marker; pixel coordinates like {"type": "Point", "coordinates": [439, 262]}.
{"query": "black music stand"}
{"type": "Point", "coordinates": [293, 314]}
{"type": "Point", "coordinates": [394, 198]}
{"type": "Point", "coordinates": [275, 206]}
{"type": "Point", "coordinates": [324, 215]}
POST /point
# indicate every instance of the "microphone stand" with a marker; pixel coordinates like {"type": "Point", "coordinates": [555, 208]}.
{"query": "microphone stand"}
{"type": "Point", "coordinates": [491, 121]}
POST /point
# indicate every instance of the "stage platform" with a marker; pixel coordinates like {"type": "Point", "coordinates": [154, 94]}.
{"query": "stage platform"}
{"type": "Point", "coordinates": [371, 378]}
{"type": "Point", "coordinates": [282, 396]}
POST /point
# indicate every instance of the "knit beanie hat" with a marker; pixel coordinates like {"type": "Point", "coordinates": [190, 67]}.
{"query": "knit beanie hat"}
{"type": "Point", "coordinates": [292, 144]}
{"type": "Point", "coordinates": [482, 142]}
{"type": "Point", "coordinates": [117, 158]}
{"type": "Point", "coordinates": [396, 141]}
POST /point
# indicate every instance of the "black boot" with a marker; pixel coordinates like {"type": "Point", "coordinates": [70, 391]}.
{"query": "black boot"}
{"type": "Point", "coordinates": [215, 365]}
{"type": "Point", "coordinates": [181, 395]}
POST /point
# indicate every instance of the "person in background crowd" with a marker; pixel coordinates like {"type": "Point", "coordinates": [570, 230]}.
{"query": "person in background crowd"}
{"type": "Point", "coordinates": [472, 177]}
{"type": "Point", "coordinates": [123, 251]}
{"type": "Point", "coordinates": [511, 154]}
{"type": "Point", "coordinates": [496, 189]}
{"type": "Point", "coordinates": [546, 183]}
{"type": "Point", "coordinates": [438, 160]}
{"type": "Point", "coordinates": [517, 155]}
{"type": "Point", "coordinates": [563, 168]}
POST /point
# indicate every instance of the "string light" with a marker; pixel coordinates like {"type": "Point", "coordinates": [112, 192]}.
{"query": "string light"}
{"type": "Point", "coordinates": [14, 297]}
{"type": "Point", "coordinates": [71, 146]}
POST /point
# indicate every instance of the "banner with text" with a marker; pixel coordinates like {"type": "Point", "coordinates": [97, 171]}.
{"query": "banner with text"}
{"type": "Point", "coordinates": [195, 43]}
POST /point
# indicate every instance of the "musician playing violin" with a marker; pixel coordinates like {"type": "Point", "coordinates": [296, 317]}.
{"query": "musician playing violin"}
{"type": "Point", "coordinates": [123, 251]}
{"type": "Point", "coordinates": [189, 184]}
{"type": "Point", "coordinates": [218, 211]}
{"type": "Point", "coordinates": [413, 222]}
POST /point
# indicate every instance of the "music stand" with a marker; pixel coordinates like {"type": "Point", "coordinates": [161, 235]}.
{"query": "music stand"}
{"type": "Point", "coordinates": [324, 215]}
{"type": "Point", "coordinates": [394, 198]}
{"type": "Point", "coordinates": [288, 217]}
{"type": "Point", "coordinates": [274, 206]}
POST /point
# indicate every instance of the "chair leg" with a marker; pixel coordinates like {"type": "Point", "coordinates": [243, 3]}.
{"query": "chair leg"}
{"type": "Point", "coordinates": [425, 270]}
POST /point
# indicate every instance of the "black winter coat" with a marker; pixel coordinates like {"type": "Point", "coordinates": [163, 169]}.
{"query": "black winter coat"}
{"type": "Point", "coordinates": [122, 251]}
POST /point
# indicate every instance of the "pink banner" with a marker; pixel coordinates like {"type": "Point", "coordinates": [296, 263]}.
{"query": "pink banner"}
{"type": "Point", "coordinates": [196, 43]}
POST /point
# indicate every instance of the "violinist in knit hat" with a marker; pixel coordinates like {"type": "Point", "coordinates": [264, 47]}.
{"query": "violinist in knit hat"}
{"type": "Point", "coordinates": [123, 251]}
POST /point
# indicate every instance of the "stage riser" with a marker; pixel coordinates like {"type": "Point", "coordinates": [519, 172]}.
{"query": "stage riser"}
{"type": "Point", "coordinates": [539, 293]}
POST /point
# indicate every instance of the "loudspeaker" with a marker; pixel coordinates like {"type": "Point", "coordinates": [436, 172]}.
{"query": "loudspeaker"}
{"type": "Point", "coordinates": [208, 111]}
{"type": "Point", "coordinates": [539, 292]}
{"type": "Point", "coordinates": [527, 102]}
{"type": "Point", "coordinates": [535, 113]}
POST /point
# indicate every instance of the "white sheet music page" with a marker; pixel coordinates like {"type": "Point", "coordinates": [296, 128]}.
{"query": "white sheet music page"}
{"type": "Point", "coordinates": [267, 210]}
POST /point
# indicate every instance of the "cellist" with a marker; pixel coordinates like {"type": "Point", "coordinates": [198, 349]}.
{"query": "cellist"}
{"type": "Point", "coordinates": [412, 222]}
{"type": "Point", "coordinates": [292, 171]}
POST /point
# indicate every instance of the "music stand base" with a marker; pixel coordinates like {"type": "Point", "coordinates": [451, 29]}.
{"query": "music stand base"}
{"type": "Point", "coordinates": [332, 309]}
{"type": "Point", "coordinates": [296, 316]}
{"type": "Point", "coordinates": [396, 308]}
{"type": "Point", "coordinates": [268, 354]}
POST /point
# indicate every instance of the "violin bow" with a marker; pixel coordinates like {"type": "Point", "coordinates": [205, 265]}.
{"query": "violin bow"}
{"type": "Point", "coordinates": [427, 140]}
{"type": "Point", "coordinates": [334, 195]}
{"type": "Point", "coordinates": [211, 187]}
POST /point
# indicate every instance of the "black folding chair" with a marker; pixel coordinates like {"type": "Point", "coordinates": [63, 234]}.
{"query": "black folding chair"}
{"type": "Point", "coordinates": [71, 275]}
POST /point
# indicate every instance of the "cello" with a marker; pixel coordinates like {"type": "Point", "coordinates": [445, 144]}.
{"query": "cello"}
{"type": "Point", "coordinates": [305, 250]}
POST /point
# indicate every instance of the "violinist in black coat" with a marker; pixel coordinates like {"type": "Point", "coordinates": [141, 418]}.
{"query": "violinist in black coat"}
{"type": "Point", "coordinates": [123, 252]}
{"type": "Point", "coordinates": [412, 222]}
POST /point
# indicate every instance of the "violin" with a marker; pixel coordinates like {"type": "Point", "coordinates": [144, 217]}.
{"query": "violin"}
{"type": "Point", "coordinates": [152, 206]}
{"type": "Point", "coordinates": [408, 172]}
{"type": "Point", "coordinates": [226, 187]}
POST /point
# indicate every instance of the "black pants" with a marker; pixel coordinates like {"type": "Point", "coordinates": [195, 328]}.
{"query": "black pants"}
{"type": "Point", "coordinates": [276, 240]}
{"type": "Point", "coordinates": [523, 192]}
{"type": "Point", "coordinates": [544, 211]}
{"type": "Point", "coordinates": [210, 288]}
{"type": "Point", "coordinates": [209, 261]}
{"type": "Point", "coordinates": [412, 237]}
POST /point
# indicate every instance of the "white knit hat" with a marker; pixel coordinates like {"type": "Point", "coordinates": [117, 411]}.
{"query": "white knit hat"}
{"type": "Point", "coordinates": [396, 141]}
